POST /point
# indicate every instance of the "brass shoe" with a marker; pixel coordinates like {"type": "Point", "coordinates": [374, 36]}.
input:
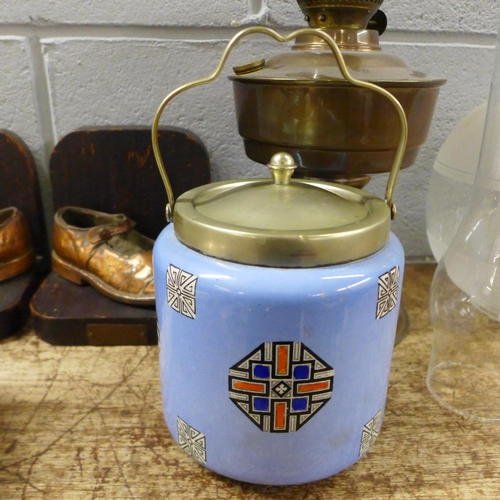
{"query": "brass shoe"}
{"type": "Point", "coordinates": [105, 251]}
{"type": "Point", "coordinates": [16, 250]}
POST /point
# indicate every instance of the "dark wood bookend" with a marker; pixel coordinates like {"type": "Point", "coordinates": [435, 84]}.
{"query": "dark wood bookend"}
{"type": "Point", "coordinates": [112, 170]}
{"type": "Point", "coordinates": [19, 187]}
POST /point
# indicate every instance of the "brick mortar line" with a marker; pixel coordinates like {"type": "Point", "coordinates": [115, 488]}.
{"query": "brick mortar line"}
{"type": "Point", "coordinates": [195, 33]}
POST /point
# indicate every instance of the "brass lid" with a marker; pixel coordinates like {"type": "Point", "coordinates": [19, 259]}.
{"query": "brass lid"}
{"type": "Point", "coordinates": [282, 222]}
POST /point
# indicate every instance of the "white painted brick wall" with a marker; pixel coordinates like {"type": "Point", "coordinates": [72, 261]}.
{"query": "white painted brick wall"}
{"type": "Point", "coordinates": [123, 12]}
{"type": "Point", "coordinates": [75, 63]}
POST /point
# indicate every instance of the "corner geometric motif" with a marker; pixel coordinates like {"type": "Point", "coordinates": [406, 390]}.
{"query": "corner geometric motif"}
{"type": "Point", "coordinates": [388, 287]}
{"type": "Point", "coordinates": [370, 433]}
{"type": "Point", "coordinates": [181, 291]}
{"type": "Point", "coordinates": [191, 441]}
{"type": "Point", "coordinates": [280, 386]}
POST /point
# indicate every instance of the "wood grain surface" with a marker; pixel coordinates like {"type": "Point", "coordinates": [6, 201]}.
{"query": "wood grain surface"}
{"type": "Point", "coordinates": [86, 423]}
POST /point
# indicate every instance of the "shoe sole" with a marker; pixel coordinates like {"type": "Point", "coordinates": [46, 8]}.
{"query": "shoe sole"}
{"type": "Point", "coordinates": [81, 277]}
{"type": "Point", "coordinates": [17, 266]}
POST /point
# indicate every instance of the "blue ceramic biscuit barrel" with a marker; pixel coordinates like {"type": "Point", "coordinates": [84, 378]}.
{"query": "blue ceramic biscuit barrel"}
{"type": "Point", "coordinates": [277, 305]}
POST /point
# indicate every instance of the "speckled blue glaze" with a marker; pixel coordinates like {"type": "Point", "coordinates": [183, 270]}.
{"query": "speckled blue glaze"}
{"type": "Point", "coordinates": [330, 310]}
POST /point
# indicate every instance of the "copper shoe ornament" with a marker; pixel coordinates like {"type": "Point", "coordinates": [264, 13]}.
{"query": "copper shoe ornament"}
{"type": "Point", "coordinates": [104, 251]}
{"type": "Point", "coordinates": [16, 251]}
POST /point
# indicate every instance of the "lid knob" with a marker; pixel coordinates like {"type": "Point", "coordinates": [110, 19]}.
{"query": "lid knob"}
{"type": "Point", "coordinates": [282, 166]}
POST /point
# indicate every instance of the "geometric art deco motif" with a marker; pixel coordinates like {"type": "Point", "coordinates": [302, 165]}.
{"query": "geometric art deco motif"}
{"type": "Point", "coordinates": [280, 386]}
{"type": "Point", "coordinates": [191, 441]}
{"type": "Point", "coordinates": [370, 433]}
{"type": "Point", "coordinates": [181, 291]}
{"type": "Point", "coordinates": [388, 286]}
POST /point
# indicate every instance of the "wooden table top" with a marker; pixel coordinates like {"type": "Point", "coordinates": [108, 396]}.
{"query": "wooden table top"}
{"type": "Point", "coordinates": [87, 423]}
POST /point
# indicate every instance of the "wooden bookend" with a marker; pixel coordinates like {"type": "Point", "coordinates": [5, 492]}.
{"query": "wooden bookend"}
{"type": "Point", "coordinates": [113, 170]}
{"type": "Point", "coordinates": [19, 188]}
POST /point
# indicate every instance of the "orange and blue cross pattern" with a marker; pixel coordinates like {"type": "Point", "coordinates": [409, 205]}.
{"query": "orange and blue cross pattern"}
{"type": "Point", "coordinates": [280, 386]}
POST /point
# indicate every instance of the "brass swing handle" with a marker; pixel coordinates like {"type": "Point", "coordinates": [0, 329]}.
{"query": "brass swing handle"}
{"type": "Point", "coordinates": [398, 159]}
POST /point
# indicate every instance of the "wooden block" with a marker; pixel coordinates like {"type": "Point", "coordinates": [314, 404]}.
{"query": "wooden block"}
{"type": "Point", "coordinates": [112, 170]}
{"type": "Point", "coordinates": [15, 295]}
{"type": "Point", "coordinates": [19, 187]}
{"type": "Point", "coordinates": [68, 314]}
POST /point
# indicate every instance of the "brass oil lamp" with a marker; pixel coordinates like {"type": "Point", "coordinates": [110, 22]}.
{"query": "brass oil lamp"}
{"type": "Point", "coordinates": [336, 103]}
{"type": "Point", "coordinates": [300, 103]}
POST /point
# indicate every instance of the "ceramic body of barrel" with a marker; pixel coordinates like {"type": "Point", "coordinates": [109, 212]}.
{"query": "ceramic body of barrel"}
{"type": "Point", "coordinates": [275, 376]}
